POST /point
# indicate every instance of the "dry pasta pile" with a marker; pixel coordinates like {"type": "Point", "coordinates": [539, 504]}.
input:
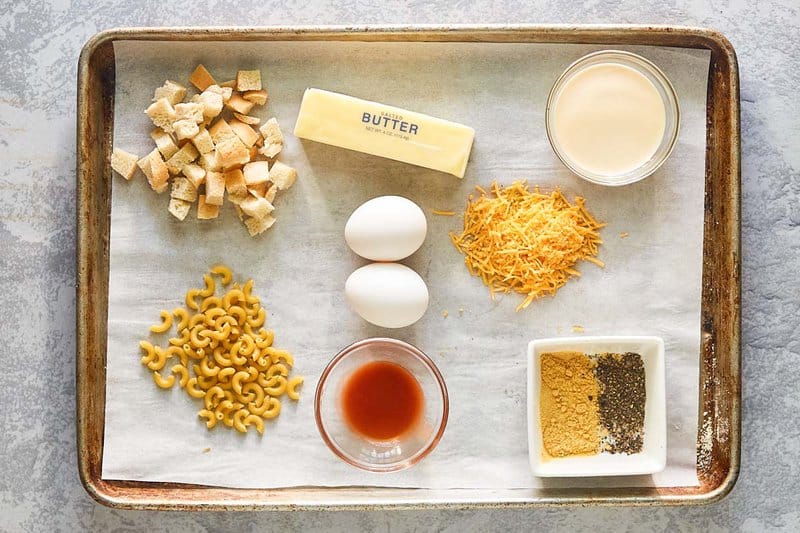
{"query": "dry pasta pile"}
{"type": "Point", "coordinates": [226, 357]}
{"type": "Point", "coordinates": [526, 241]}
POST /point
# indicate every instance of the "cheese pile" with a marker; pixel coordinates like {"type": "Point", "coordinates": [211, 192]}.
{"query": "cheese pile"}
{"type": "Point", "coordinates": [527, 242]}
{"type": "Point", "coordinates": [209, 146]}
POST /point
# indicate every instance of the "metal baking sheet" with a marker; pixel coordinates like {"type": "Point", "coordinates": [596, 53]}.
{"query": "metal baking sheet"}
{"type": "Point", "coordinates": [336, 497]}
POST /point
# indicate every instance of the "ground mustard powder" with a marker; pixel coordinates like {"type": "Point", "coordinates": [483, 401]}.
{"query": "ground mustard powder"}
{"type": "Point", "coordinates": [568, 405]}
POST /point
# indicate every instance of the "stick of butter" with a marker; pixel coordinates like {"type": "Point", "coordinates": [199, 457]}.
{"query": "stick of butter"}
{"type": "Point", "coordinates": [385, 131]}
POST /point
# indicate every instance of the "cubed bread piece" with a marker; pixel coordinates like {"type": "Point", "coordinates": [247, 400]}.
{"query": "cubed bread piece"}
{"type": "Point", "coordinates": [215, 188]}
{"type": "Point", "coordinates": [154, 169]}
{"type": "Point", "coordinates": [266, 191]}
{"type": "Point", "coordinates": [256, 207]}
{"type": "Point", "coordinates": [271, 192]}
{"type": "Point", "coordinates": [225, 91]}
{"type": "Point", "coordinates": [246, 134]}
{"type": "Point", "coordinates": [212, 103]}
{"type": "Point", "coordinates": [232, 153]}
{"type": "Point", "coordinates": [282, 175]}
{"type": "Point", "coordinates": [271, 131]}
{"type": "Point", "coordinates": [187, 154]}
{"type": "Point", "coordinates": [248, 80]}
{"type": "Point", "coordinates": [256, 172]}
{"type": "Point", "coordinates": [236, 199]}
{"type": "Point", "coordinates": [273, 138]}
{"type": "Point", "coordinates": [253, 152]}
{"type": "Point", "coordinates": [256, 226]}
{"type": "Point", "coordinates": [159, 171]}
{"type": "Point", "coordinates": [257, 97]}
{"type": "Point", "coordinates": [185, 129]}
{"type": "Point", "coordinates": [239, 104]}
{"type": "Point", "coordinates": [221, 131]}
{"type": "Point", "coordinates": [270, 150]}
{"type": "Point", "coordinates": [234, 183]}
{"type": "Point", "coordinates": [162, 114]}
{"type": "Point", "coordinates": [183, 189]}
{"type": "Point", "coordinates": [144, 164]}
{"type": "Point", "coordinates": [231, 84]}
{"type": "Point", "coordinates": [179, 208]}
{"type": "Point", "coordinates": [206, 211]}
{"type": "Point", "coordinates": [209, 162]}
{"type": "Point", "coordinates": [259, 189]}
{"type": "Point", "coordinates": [189, 111]}
{"type": "Point", "coordinates": [124, 163]}
{"type": "Point", "coordinates": [194, 173]}
{"type": "Point", "coordinates": [203, 141]}
{"type": "Point", "coordinates": [172, 91]}
{"type": "Point", "coordinates": [201, 78]}
{"type": "Point", "coordinates": [164, 142]}
{"type": "Point", "coordinates": [247, 119]}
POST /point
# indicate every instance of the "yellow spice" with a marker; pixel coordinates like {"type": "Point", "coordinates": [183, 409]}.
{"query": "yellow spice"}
{"type": "Point", "coordinates": [568, 409]}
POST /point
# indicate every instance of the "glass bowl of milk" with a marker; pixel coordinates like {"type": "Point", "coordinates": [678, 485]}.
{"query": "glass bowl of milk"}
{"type": "Point", "coordinates": [612, 117]}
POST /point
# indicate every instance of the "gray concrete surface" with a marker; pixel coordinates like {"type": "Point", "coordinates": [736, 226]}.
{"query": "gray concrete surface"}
{"type": "Point", "coordinates": [39, 46]}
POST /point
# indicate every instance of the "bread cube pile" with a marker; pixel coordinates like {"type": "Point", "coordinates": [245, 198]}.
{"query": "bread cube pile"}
{"type": "Point", "coordinates": [210, 147]}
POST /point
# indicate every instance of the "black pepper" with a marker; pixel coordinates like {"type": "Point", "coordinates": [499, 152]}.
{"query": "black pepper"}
{"type": "Point", "coordinates": [622, 400]}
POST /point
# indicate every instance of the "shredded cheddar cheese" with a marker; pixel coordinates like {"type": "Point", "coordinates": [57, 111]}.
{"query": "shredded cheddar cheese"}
{"type": "Point", "coordinates": [527, 242]}
{"type": "Point", "coordinates": [444, 213]}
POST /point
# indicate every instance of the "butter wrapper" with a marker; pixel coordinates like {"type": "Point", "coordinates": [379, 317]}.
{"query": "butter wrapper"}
{"type": "Point", "coordinates": [385, 131]}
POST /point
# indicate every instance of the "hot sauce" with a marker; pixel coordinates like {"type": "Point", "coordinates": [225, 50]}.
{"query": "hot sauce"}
{"type": "Point", "coordinates": [382, 400]}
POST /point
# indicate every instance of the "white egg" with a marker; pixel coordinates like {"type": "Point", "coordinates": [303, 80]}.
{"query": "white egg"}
{"type": "Point", "coordinates": [386, 228]}
{"type": "Point", "coordinates": [387, 294]}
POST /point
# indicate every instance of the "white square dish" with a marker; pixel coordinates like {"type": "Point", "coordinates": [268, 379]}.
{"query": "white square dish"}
{"type": "Point", "coordinates": [652, 458]}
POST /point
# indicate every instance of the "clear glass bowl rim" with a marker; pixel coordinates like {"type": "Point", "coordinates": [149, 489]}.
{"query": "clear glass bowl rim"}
{"type": "Point", "coordinates": [420, 454]}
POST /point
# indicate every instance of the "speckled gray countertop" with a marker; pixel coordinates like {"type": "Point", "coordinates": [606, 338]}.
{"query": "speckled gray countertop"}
{"type": "Point", "coordinates": [39, 46]}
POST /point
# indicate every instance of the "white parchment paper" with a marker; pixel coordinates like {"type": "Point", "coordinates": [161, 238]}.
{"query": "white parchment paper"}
{"type": "Point", "coordinates": [651, 284]}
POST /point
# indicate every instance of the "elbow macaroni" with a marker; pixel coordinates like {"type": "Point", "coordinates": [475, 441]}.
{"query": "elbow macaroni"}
{"type": "Point", "coordinates": [191, 294]}
{"type": "Point", "coordinates": [210, 302]}
{"type": "Point", "coordinates": [208, 367]}
{"type": "Point", "coordinates": [223, 272]}
{"type": "Point", "coordinates": [159, 359]}
{"type": "Point", "coordinates": [277, 369]}
{"type": "Point", "coordinates": [183, 318]}
{"type": "Point", "coordinates": [183, 339]}
{"type": "Point", "coordinates": [238, 420]}
{"type": "Point", "coordinates": [277, 386]}
{"type": "Point", "coordinates": [209, 416]}
{"type": "Point", "coordinates": [211, 287]}
{"type": "Point", "coordinates": [291, 387]}
{"type": "Point", "coordinates": [166, 323]}
{"type": "Point", "coordinates": [184, 373]}
{"type": "Point", "coordinates": [179, 352]}
{"type": "Point", "coordinates": [236, 373]}
{"type": "Point", "coordinates": [149, 352]}
{"type": "Point", "coordinates": [257, 421]}
{"type": "Point", "coordinates": [273, 408]}
{"type": "Point", "coordinates": [163, 382]}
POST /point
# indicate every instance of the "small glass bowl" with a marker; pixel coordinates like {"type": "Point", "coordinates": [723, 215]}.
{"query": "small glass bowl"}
{"type": "Point", "coordinates": [381, 455]}
{"type": "Point", "coordinates": [668, 97]}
